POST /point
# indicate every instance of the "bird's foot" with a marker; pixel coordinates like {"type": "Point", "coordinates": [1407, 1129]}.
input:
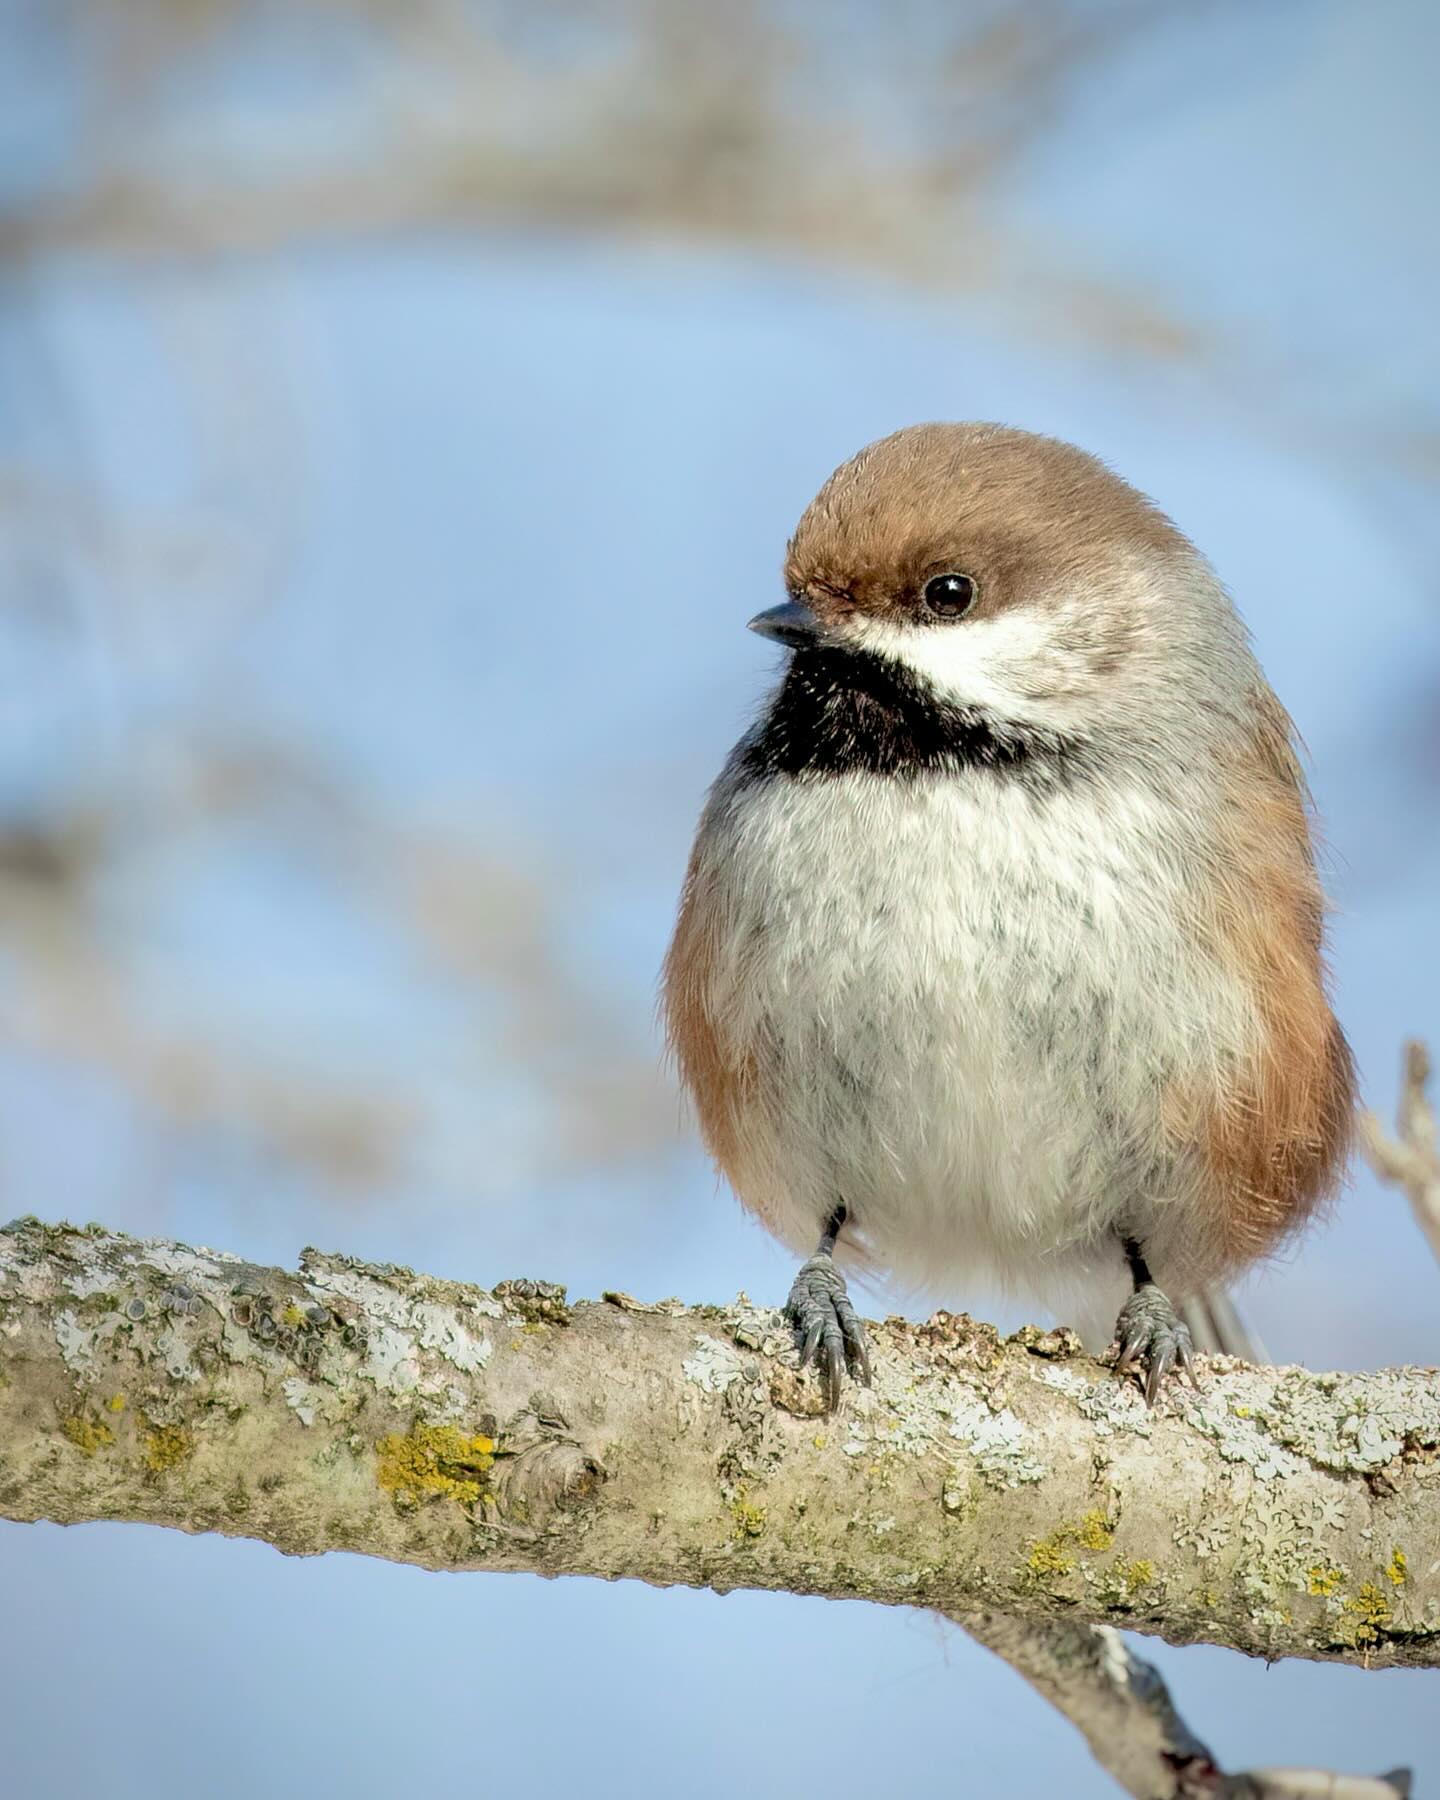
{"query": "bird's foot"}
{"type": "Point", "coordinates": [1152, 1339]}
{"type": "Point", "coordinates": [827, 1326]}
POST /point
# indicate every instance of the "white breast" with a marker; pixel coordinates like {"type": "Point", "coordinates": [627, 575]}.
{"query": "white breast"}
{"type": "Point", "coordinates": [964, 1000]}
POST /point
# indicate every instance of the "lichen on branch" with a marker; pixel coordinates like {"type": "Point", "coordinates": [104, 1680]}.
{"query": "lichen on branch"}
{"type": "Point", "coordinates": [371, 1409]}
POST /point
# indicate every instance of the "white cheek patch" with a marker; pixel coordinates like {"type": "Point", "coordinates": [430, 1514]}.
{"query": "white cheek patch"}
{"type": "Point", "coordinates": [1010, 666]}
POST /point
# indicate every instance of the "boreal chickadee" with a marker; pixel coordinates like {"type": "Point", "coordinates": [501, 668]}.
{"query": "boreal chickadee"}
{"type": "Point", "coordinates": [1000, 951]}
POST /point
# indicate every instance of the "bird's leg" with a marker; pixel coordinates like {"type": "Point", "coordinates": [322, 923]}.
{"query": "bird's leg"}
{"type": "Point", "coordinates": [1149, 1332]}
{"type": "Point", "coordinates": [826, 1324]}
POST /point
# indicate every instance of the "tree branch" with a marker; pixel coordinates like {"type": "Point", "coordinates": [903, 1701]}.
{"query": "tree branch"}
{"type": "Point", "coordinates": [1279, 1512]}
{"type": "Point", "coordinates": [1117, 1702]}
{"type": "Point", "coordinates": [1121, 1706]}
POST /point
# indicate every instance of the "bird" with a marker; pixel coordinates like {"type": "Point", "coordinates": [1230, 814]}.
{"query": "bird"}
{"type": "Point", "coordinates": [1000, 954]}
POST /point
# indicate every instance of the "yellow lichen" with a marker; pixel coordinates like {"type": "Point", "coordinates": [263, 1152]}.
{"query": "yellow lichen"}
{"type": "Point", "coordinates": [1048, 1556]}
{"type": "Point", "coordinates": [1397, 1568]}
{"type": "Point", "coordinates": [749, 1519]}
{"type": "Point", "coordinates": [1324, 1579]}
{"type": "Point", "coordinates": [116, 1403]}
{"type": "Point", "coordinates": [1372, 1612]}
{"type": "Point", "coordinates": [1095, 1532]}
{"type": "Point", "coordinates": [166, 1447]}
{"type": "Point", "coordinates": [435, 1462]}
{"type": "Point", "coordinates": [292, 1316]}
{"type": "Point", "coordinates": [1120, 1584]}
{"type": "Point", "coordinates": [86, 1434]}
{"type": "Point", "coordinates": [1244, 1412]}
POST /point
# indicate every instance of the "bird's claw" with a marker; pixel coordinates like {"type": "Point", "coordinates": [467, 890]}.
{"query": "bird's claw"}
{"type": "Point", "coordinates": [1151, 1337]}
{"type": "Point", "coordinates": [827, 1326]}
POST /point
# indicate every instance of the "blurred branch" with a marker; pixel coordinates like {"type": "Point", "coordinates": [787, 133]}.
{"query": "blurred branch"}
{"type": "Point", "coordinates": [480, 923]}
{"type": "Point", "coordinates": [751, 123]}
{"type": "Point", "coordinates": [1411, 1159]}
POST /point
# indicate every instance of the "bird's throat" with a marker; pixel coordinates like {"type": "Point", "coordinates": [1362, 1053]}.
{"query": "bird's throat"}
{"type": "Point", "coordinates": [843, 711]}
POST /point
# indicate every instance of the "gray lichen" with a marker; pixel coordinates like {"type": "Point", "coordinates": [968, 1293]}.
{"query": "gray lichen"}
{"type": "Point", "coordinates": [713, 1365]}
{"type": "Point", "coordinates": [999, 1443]}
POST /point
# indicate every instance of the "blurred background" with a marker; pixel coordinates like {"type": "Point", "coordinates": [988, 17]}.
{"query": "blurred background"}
{"type": "Point", "coordinates": [402, 409]}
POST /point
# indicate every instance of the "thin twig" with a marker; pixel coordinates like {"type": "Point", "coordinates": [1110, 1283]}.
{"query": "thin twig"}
{"type": "Point", "coordinates": [1411, 1159]}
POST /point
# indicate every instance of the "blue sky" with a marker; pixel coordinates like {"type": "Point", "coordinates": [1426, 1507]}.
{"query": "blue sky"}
{"type": "Point", "coordinates": [477, 522]}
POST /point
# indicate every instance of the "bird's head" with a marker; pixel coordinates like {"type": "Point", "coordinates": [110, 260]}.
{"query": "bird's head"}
{"type": "Point", "coordinates": [1010, 574]}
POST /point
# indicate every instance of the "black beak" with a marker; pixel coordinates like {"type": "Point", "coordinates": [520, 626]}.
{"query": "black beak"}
{"type": "Point", "coordinates": [789, 623]}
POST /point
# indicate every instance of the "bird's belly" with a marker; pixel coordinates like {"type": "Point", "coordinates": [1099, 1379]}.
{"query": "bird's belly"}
{"type": "Point", "coordinates": [963, 1004]}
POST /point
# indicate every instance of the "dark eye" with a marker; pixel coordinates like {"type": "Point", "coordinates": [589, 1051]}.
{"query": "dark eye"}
{"type": "Point", "coordinates": [948, 596]}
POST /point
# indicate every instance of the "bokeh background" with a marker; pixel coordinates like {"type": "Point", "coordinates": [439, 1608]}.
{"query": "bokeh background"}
{"type": "Point", "coordinates": [404, 407]}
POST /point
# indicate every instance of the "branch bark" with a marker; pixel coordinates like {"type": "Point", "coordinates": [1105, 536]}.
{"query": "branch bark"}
{"type": "Point", "coordinates": [1279, 1512]}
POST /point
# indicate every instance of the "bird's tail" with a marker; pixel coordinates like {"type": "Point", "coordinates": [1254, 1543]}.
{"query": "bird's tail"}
{"type": "Point", "coordinates": [1218, 1329]}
